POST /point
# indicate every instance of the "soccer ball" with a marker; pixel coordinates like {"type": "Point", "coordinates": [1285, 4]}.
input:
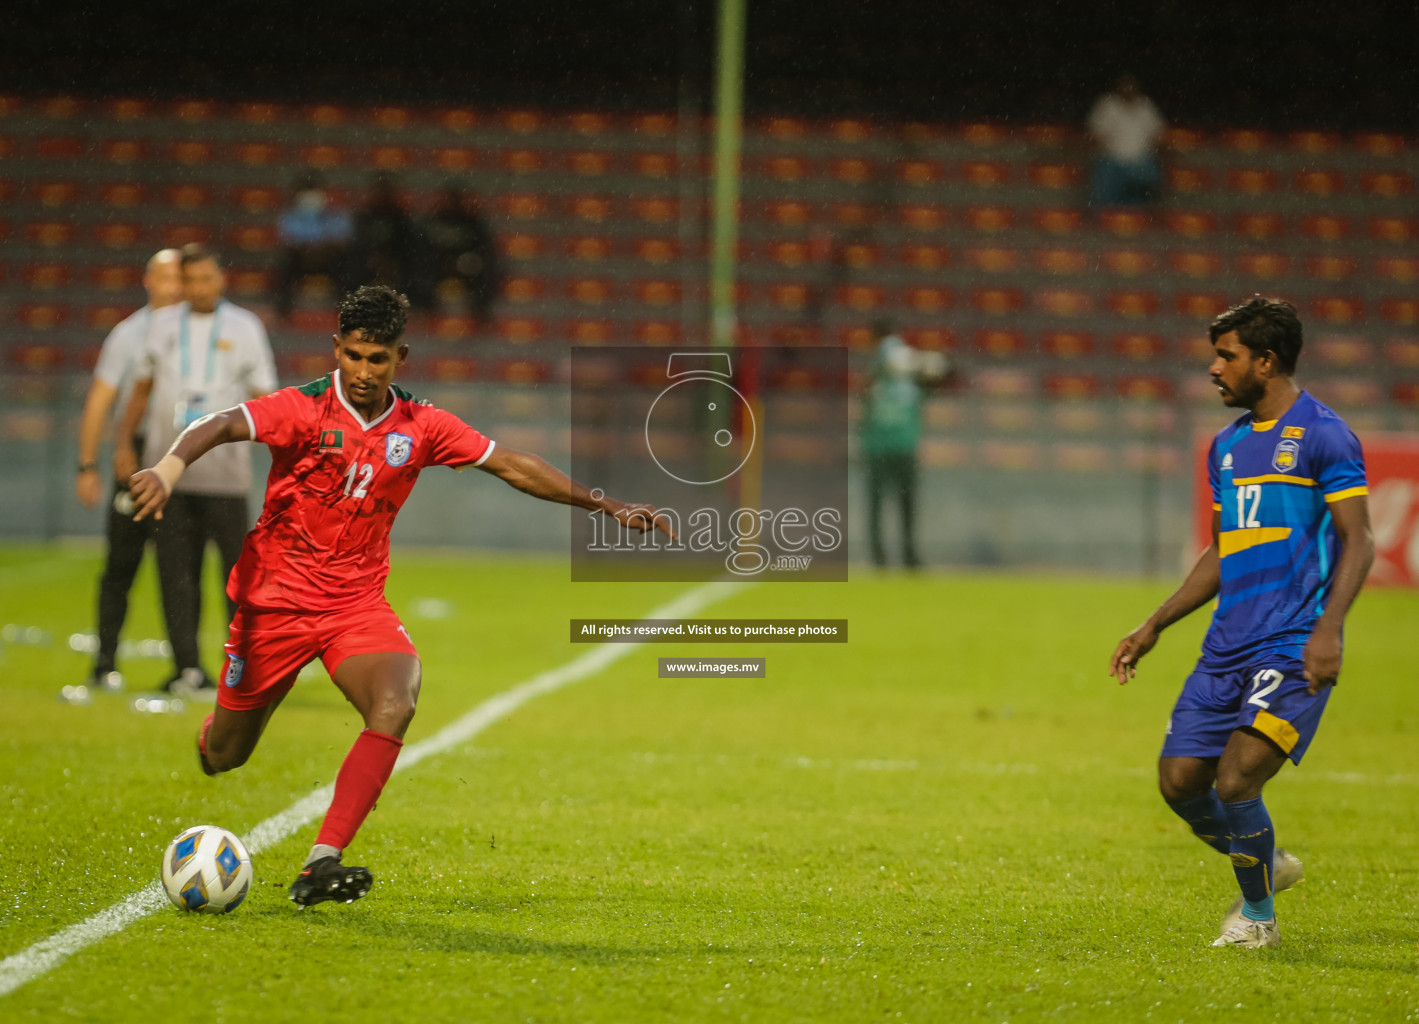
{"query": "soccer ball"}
{"type": "Point", "coordinates": [206, 868]}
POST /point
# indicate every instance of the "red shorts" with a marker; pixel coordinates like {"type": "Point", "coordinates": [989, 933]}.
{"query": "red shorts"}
{"type": "Point", "coordinates": [267, 649]}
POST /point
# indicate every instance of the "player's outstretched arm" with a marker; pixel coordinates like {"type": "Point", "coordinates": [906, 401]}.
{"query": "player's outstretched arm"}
{"type": "Point", "coordinates": [1323, 650]}
{"type": "Point", "coordinates": [1201, 586]}
{"type": "Point", "coordinates": [151, 488]}
{"type": "Point", "coordinates": [533, 475]}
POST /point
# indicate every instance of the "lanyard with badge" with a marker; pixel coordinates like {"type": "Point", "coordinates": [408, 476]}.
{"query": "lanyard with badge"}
{"type": "Point", "coordinates": [192, 405]}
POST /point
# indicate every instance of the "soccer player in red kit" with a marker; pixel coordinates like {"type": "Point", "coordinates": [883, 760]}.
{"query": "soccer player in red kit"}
{"type": "Point", "coordinates": [345, 452]}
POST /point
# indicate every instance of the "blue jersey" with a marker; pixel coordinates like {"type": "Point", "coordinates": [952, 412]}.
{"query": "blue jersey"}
{"type": "Point", "coordinates": [1272, 484]}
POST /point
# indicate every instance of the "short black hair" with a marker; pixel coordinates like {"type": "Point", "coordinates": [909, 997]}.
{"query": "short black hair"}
{"type": "Point", "coordinates": [1263, 325]}
{"type": "Point", "coordinates": [377, 310]}
{"type": "Point", "coordinates": [196, 252]}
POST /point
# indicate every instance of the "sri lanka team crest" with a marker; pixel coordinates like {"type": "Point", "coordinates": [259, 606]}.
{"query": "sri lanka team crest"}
{"type": "Point", "coordinates": [1287, 453]}
{"type": "Point", "coordinates": [397, 448]}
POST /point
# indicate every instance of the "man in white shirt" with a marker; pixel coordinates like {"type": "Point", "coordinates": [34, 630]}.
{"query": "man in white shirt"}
{"type": "Point", "coordinates": [203, 355]}
{"type": "Point", "coordinates": [126, 540]}
{"type": "Point", "coordinates": [1127, 127]}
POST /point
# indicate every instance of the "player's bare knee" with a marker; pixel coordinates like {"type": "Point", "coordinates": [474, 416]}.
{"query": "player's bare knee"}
{"type": "Point", "coordinates": [1181, 782]}
{"type": "Point", "coordinates": [1235, 786]}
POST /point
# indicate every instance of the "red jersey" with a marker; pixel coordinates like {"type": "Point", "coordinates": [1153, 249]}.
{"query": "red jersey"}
{"type": "Point", "coordinates": [336, 484]}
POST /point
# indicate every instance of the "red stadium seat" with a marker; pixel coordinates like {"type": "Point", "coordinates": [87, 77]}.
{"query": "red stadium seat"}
{"type": "Point", "coordinates": [323, 156]}
{"type": "Point", "coordinates": [392, 118]}
{"type": "Point", "coordinates": [1000, 342]}
{"type": "Point", "coordinates": [935, 339]}
{"type": "Point", "coordinates": [794, 334]}
{"type": "Point", "coordinates": [259, 113]}
{"type": "Point", "coordinates": [7, 146]}
{"type": "Point", "coordinates": [990, 219]}
{"type": "Point", "coordinates": [923, 217]}
{"type": "Point", "coordinates": [7, 190]}
{"type": "Point", "coordinates": [455, 119]}
{"type": "Point", "coordinates": [788, 213]}
{"type": "Point", "coordinates": [985, 173]}
{"type": "Point", "coordinates": [1062, 262]}
{"type": "Point", "coordinates": [657, 291]}
{"type": "Point", "coordinates": [657, 126]}
{"type": "Point", "coordinates": [1338, 309]}
{"type": "Point", "coordinates": [194, 111]}
{"type": "Point", "coordinates": [249, 283]}
{"type": "Point", "coordinates": [103, 317]}
{"type": "Point", "coordinates": [792, 296]}
{"type": "Point", "coordinates": [593, 209]}
{"type": "Point", "coordinates": [1402, 269]}
{"type": "Point", "coordinates": [789, 254]}
{"type": "Point", "coordinates": [1400, 311]}
{"type": "Point", "coordinates": [522, 161]}
{"type": "Point", "coordinates": [590, 291]}
{"type": "Point", "coordinates": [191, 152]}
{"type": "Point", "coordinates": [1325, 227]}
{"type": "Point", "coordinates": [997, 301]}
{"type": "Point", "coordinates": [523, 122]}
{"type": "Point", "coordinates": [921, 172]}
{"type": "Point", "coordinates": [1133, 304]}
{"type": "Point", "coordinates": [1265, 265]}
{"type": "Point", "coordinates": [121, 194]}
{"type": "Point", "coordinates": [41, 316]}
{"type": "Point", "coordinates": [523, 289]}
{"type": "Point", "coordinates": [1403, 352]}
{"type": "Point", "coordinates": [118, 234]}
{"type": "Point", "coordinates": [1191, 223]}
{"type": "Point", "coordinates": [1315, 142]}
{"type": "Point", "coordinates": [588, 163]}
{"type": "Point", "coordinates": [1252, 181]}
{"type": "Point", "coordinates": [1049, 135]}
{"type": "Point", "coordinates": [925, 257]}
{"type": "Point", "coordinates": [322, 321]}
{"type": "Point", "coordinates": [861, 255]}
{"type": "Point", "coordinates": [1201, 305]}
{"type": "Point", "coordinates": [390, 158]}
{"type": "Point", "coordinates": [1124, 223]}
{"type": "Point", "coordinates": [54, 193]}
{"type": "Point", "coordinates": [850, 131]}
{"type": "Point", "coordinates": [859, 337]}
{"type": "Point", "coordinates": [523, 205]}
{"type": "Point", "coordinates": [1379, 144]}
{"type": "Point", "coordinates": [451, 368]}
{"type": "Point", "coordinates": [257, 154]}
{"type": "Point", "coordinates": [1246, 141]}
{"type": "Point", "coordinates": [128, 109]}
{"type": "Point", "coordinates": [454, 159]}
{"type": "Point", "coordinates": [325, 115]}
{"type": "Point", "coordinates": [1406, 392]}
{"type": "Point", "coordinates": [656, 251]}
{"type": "Point", "coordinates": [860, 298]}
{"type": "Point", "coordinates": [1196, 347]}
{"type": "Point", "coordinates": [1394, 229]}
{"type": "Point", "coordinates": [918, 133]}
{"type": "Point", "coordinates": [59, 147]}
{"type": "Point", "coordinates": [117, 277]}
{"type": "Point", "coordinates": [37, 358]}
{"type": "Point", "coordinates": [590, 331]}
{"type": "Point", "coordinates": [1195, 264]}
{"type": "Point", "coordinates": [1387, 184]}
{"type": "Point", "coordinates": [852, 170]}
{"type": "Point", "coordinates": [1330, 268]}
{"type": "Point", "coordinates": [928, 300]}
{"type": "Point", "coordinates": [993, 260]}
{"type": "Point", "coordinates": [654, 165]}
{"type": "Point", "coordinates": [1138, 347]}
{"type": "Point", "coordinates": [1188, 180]}
{"type": "Point", "coordinates": [189, 197]}
{"type": "Point", "coordinates": [1128, 262]}
{"type": "Point", "coordinates": [1260, 227]}
{"type": "Point", "coordinates": [523, 371]}
{"type": "Point", "coordinates": [983, 134]}
{"type": "Point", "coordinates": [998, 382]}
{"type": "Point", "coordinates": [254, 238]}
{"type": "Point", "coordinates": [1346, 352]}
{"type": "Point", "coordinates": [1055, 177]}
{"type": "Point", "coordinates": [1073, 418]}
{"type": "Point", "coordinates": [50, 233]}
{"type": "Point", "coordinates": [1067, 344]}
{"type": "Point", "coordinates": [521, 246]}
{"type": "Point", "coordinates": [588, 248]}
{"type": "Point", "coordinates": [1057, 221]}
{"type": "Point", "coordinates": [257, 199]}
{"type": "Point", "coordinates": [47, 276]}
{"type": "Point", "coordinates": [657, 332]}
{"type": "Point", "coordinates": [1320, 183]}
{"type": "Point", "coordinates": [175, 236]}
{"type": "Point", "coordinates": [1143, 387]}
{"type": "Point", "coordinates": [589, 123]}
{"type": "Point", "coordinates": [1063, 302]}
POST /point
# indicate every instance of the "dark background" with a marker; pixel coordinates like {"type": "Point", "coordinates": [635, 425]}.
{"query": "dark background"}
{"type": "Point", "coordinates": [1244, 63]}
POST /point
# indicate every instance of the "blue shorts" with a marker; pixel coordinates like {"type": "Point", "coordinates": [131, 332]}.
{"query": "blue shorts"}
{"type": "Point", "coordinates": [1270, 697]}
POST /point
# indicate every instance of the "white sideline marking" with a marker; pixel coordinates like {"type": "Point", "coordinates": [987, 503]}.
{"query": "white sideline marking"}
{"type": "Point", "coordinates": [49, 953]}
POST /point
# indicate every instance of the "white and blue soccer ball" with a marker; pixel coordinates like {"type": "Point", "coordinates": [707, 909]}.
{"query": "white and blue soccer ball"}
{"type": "Point", "coordinates": [206, 869]}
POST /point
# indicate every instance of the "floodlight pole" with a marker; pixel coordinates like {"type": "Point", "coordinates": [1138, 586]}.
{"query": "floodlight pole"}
{"type": "Point", "coordinates": [728, 115]}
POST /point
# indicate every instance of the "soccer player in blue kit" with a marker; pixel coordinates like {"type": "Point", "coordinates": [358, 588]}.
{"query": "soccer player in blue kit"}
{"type": "Point", "coordinates": [1291, 546]}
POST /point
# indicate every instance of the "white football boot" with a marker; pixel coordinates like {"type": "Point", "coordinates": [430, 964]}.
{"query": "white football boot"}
{"type": "Point", "coordinates": [1286, 871]}
{"type": "Point", "coordinates": [1249, 934]}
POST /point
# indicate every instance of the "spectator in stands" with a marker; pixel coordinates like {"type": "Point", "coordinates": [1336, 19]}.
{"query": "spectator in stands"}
{"type": "Point", "coordinates": [315, 239]}
{"type": "Point", "coordinates": [387, 248]}
{"type": "Point", "coordinates": [891, 433]}
{"type": "Point", "coordinates": [463, 248]}
{"type": "Point", "coordinates": [203, 355]}
{"type": "Point", "coordinates": [111, 387]}
{"type": "Point", "coordinates": [1127, 128]}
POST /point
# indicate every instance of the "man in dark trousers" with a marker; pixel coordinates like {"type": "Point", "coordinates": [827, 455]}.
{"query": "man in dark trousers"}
{"type": "Point", "coordinates": [111, 387]}
{"type": "Point", "coordinates": [203, 354]}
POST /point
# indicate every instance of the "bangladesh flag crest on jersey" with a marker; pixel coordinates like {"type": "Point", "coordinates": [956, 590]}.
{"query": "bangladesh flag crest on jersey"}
{"type": "Point", "coordinates": [332, 440]}
{"type": "Point", "coordinates": [397, 448]}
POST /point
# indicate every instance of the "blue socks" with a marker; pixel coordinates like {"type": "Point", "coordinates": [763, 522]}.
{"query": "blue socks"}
{"type": "Point", "coordinates": [1206, 817]}
{"type": "Point", "coordinates": [1252, 848]}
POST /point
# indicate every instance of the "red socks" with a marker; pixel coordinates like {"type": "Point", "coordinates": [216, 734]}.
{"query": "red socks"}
{"type": "Point", "coordinates": [362, 777]}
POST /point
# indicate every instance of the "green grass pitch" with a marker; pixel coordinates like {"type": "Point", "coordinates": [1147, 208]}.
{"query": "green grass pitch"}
{"type": "Point", "coordinates": [952, 817]}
